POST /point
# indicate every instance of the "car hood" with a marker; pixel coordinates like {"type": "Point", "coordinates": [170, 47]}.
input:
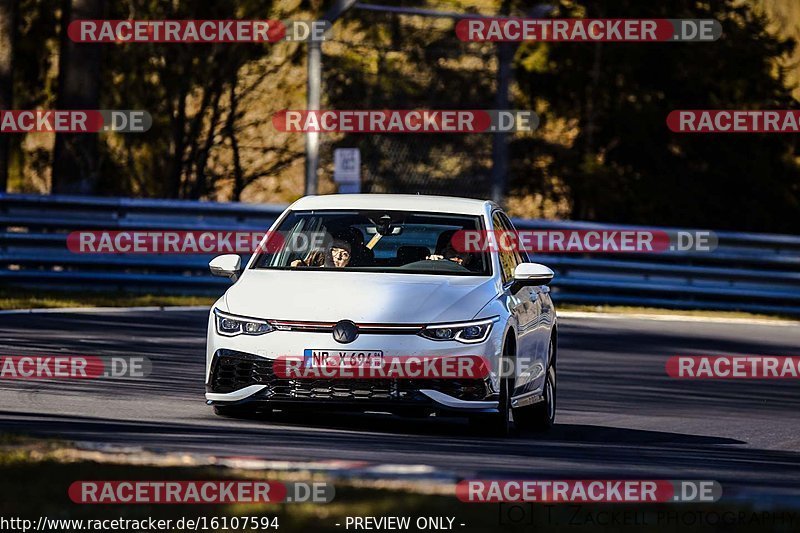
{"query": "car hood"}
{"type": "Point", "coordinates": [358, 296]}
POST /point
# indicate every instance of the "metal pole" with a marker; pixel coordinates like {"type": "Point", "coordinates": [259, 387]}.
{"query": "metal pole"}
{"type": "Point", "coordinates": [314, 84]}
{"type": "Point", "coordinates": [312, 103]}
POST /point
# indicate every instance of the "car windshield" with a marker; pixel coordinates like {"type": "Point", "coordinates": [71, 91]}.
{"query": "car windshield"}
{"type": "Point", "coordinates": [374, 241]}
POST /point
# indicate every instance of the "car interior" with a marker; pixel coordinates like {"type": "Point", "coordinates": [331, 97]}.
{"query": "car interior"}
{"type": "Point", "coordinates": [406, 241]}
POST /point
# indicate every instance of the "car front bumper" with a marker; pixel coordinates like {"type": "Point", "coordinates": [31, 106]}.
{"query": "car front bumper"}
{"type": "Point", "coordinates": [239, 371]}
{"type": "Point", "coordinates": [242, 378]}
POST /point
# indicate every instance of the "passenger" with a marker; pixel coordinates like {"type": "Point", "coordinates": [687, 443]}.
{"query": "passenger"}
{"type": "Point", "coordinates": [337, 256]}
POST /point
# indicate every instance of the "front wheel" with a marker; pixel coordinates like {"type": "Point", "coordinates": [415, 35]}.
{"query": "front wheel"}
{"type": "Point", "coordinates": [502, 423]}
{"type": "Point", "coordinates": [542, 415]}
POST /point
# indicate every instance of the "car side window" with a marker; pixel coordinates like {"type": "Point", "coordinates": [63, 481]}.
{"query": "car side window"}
{"type": "Point", "coordinates": [521, 254]}
{"type": "Point", "coordinates": [509, 259]}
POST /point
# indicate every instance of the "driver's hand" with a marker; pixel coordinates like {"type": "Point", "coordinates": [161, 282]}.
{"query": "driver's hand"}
{"type": "Point", "coordinates": [435, 257]}
{"type": "Point", "coordinates": [298, 262]}
{"type": "Point", "coordinates": [315, 258]}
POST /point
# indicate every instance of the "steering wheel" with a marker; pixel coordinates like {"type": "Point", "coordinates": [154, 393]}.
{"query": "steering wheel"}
{"type": "Point", "coordinates": [442, 265]}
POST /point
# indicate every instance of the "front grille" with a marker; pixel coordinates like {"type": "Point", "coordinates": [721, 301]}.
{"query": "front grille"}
{"type": "Point", "coordinates": [345, 389]}
{"type": "Point", "coordinates": [232, 371]}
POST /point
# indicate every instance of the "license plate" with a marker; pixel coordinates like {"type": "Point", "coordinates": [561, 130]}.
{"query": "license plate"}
{"type": "Point", "coordinates": [342, 358]}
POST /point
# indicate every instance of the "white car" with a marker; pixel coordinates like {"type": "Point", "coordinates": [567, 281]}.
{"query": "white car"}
{"type": "Point", "coordinates": [378, 275]}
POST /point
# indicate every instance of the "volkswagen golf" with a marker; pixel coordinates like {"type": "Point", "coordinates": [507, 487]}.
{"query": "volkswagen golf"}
{"type": "Point", "coordinates": [373, 278]}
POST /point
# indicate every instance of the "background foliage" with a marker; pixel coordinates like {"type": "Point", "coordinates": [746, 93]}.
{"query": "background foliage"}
{"type": "Point", "coordinates": [602, 152]}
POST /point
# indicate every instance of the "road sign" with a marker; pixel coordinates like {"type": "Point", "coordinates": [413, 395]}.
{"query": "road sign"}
{"type": "Point", "coordinates": [347, 167]}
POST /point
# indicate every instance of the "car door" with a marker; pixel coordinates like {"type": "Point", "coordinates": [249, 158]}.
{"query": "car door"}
{"type": "Point", "coordinates": [522, 303]}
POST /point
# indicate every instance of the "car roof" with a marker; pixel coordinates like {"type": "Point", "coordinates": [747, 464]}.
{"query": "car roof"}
{"type": "Point", "coordinates": [394, 202]}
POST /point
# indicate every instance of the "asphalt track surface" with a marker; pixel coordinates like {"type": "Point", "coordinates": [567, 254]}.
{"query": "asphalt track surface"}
{"type": "Point", "coordinates": [619, 415]}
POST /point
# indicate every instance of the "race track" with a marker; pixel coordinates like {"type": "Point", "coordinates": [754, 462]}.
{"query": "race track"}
{"type": "Point", "coordinates": [619, 414]}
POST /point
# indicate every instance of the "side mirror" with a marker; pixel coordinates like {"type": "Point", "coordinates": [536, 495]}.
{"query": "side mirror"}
{"type": "Point", "coordinates": [226, 266]}
{"type": "Point", "coordinates": [532, 274]}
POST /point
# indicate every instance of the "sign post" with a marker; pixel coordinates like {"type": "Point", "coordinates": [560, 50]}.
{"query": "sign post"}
{"type": "Point", "coordinates": [347, 169]}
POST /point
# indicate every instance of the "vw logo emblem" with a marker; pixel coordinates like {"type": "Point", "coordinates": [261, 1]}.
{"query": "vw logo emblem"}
{"type": "Point", "coordinates": [345, 332]}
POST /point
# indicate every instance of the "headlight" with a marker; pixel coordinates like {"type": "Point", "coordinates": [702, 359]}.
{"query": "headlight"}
{"type": "Point", "coordinates": [232, 325]}
{"type": "Point", "coordinates": [466, 332]}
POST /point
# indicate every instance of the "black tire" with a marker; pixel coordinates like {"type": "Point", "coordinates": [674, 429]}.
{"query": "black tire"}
{"type": "Point", "coordinates": [502, 423]}
{"type": "Point", "coordinates": [541, 416]}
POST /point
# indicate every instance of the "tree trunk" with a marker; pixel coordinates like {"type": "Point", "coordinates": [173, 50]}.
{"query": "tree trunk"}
{"type": "Point", "coordinates": [76, 157]}
{"type": "Point", "coordinates": [8, 25]}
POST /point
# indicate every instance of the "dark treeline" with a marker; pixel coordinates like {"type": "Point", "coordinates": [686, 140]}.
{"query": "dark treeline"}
{"type": "Point", "coordinates": [603, 151]}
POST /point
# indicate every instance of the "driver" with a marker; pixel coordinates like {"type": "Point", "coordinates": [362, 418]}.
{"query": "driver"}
{"type": "Point", "coordinates": [337, 256]}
